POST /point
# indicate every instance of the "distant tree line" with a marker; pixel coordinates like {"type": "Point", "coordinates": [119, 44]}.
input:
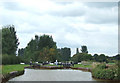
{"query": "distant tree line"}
{"type": "Point", "coordinates": [43, 48]}
{"type": "Point", "coordinates": [84, 56]}
{"type": "Point", "coordinates": [40, 49]}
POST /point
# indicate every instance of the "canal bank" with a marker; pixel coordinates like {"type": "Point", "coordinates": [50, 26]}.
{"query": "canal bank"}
{"type": "Point", "coordinates": [51, 68]}
{"type": "Point", "coordinates": [11, 75]}
{"type": "Point", "coordinates": [11, 71]}
{"type": "Point", "coordinates": [14, 74]}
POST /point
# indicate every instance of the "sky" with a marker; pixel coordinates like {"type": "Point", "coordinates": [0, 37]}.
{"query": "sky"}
{"type": "Point", "coordinates": [71, 24]}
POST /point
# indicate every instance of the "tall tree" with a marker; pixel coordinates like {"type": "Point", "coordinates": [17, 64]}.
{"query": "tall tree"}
{"type": "Point", "coordinates": [9, 40]}
{"type": "Point", "coordinates": [41, 49]}
{"type": "Point", "coordinates": [9, 45]}
{"type": "Point", "coordinates": [46, 41]}
{"type": "Point", "coordinates": [84, 49]}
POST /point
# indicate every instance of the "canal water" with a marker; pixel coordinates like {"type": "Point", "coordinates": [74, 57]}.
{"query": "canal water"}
{"type": "Point", "coordinates": [54, 75]}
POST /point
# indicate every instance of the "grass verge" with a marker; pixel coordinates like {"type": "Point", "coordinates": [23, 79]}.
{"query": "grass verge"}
{"type": "Point", "coordinates": [9, 68]}
{"type": "Point", "coordinates": [81, 65]}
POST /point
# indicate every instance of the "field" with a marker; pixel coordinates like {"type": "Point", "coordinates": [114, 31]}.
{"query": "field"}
{"type": "Point", "coordinates": [9, 68]}
{"type": "Point", "coordinates": [80, 65]}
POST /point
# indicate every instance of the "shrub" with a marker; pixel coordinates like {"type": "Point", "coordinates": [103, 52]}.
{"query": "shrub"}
{"type": "Point", "coordinates": [101, 66]}
{"type": "Point", "coordinates": [10, 59]}
{"type": "Point", "coordinates": [101, 72]}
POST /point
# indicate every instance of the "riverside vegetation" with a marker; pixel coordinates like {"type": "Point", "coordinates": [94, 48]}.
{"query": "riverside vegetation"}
{"type": "Point", "coordinates": [43, 48]}
{"type": "Point", "coordinates": [102, 71]}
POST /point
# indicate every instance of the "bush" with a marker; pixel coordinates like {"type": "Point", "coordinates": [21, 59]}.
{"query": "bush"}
{"type": "Point", "coordinates": [101, 66]}
{"type": "Point", "coordinates": [10, 59]}
{"type": "Point", "coordinates": [101, 72]}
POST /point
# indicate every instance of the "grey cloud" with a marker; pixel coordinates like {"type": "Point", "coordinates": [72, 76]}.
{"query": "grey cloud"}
{"type": "Point", "coordinates": [103, 43]}
{"type": "Point", "coordinates": [102, 16]}
{"type": "Point", "coordinates": [63, 2]}
{"type": "Point", "coordinates": [102, 20]}
{"type": "Point", "coordinates": [101, 4]}
{"type": "Point", "coordinates": [14, 6]}
{"type": "Point", "coordinates": [58, 22]}
{"type": "Point", "coordinates": [68, 13]}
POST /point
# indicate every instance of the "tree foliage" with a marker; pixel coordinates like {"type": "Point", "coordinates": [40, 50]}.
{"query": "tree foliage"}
{"type": "Point", "coordinates": [77, 50]}
{"type": "Point", "coordinates": [84, 49]}
{"type": "Point", "coordinates": [9, 45]}
{"type": "Point", "coordinates": [81, 57]}
{"type": "Point", "coordinates": [41, 49]}
{"type": "Point", "coordinates": [9, 40]}
{"type": "Point", "coordinates": [21, 52]}
{"type": "Point", "coordinates": [65, 54]}
{"type": "Point", "coordinates": [46, 41]}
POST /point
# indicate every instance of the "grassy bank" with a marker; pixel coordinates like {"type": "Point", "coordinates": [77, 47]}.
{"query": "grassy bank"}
{"type": "Point", "coordinates": [81, 65]}
{"type": "Point", "coordinates": [9, 68]}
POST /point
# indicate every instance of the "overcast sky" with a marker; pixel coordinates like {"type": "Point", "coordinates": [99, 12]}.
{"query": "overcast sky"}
{"type": "Point", "coordinates": [72, 24]}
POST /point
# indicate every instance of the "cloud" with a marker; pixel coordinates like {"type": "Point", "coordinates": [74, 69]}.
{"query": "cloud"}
{"type": "Point", "coordinates": [71, 24]}
{"type": "Point", "coordinates": [14, 6]}
{"type": "Point", "coordinates": [101, 5]}
{"type": "Point", "coordinates": [102, 16]}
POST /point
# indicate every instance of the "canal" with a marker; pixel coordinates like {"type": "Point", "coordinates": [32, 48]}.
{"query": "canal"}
{"type": "Point", "coordinates": [54, 75]}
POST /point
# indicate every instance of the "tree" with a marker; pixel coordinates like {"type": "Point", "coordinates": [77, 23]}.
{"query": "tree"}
{"type": "Point", "coordinates": [21, 52]}
{"type": "Point", "coordinates": [81, 57]}
{"type": "Point", "coordinates": [46, 41]}
{"type": "Point", "coordinates": [96, 57]}
{"type": "Point", "coordinates": [84, 49]}
{"type": "Point", "coordinates": [65, 53]}
{"type": "Point", "coordinates": [77, 51]}
{"type": "Point", "coordinates": [9, 45]}
{"type": "Point", "coordinates": [117, 57]}
{"type": "Point", "coordinates": [41, 49]}
{"type": "Point", "coordinates": [9, 40]}
{"type": "Point", "coordinates": [102, 58]}
{"type": "Point", "coordinates": [75, 58]}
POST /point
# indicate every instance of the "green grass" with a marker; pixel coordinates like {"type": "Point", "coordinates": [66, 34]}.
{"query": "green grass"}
{"type": "Point", "coordinates": [9, 68]}
{"type": "Point", "coordinates": [80, 65]}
